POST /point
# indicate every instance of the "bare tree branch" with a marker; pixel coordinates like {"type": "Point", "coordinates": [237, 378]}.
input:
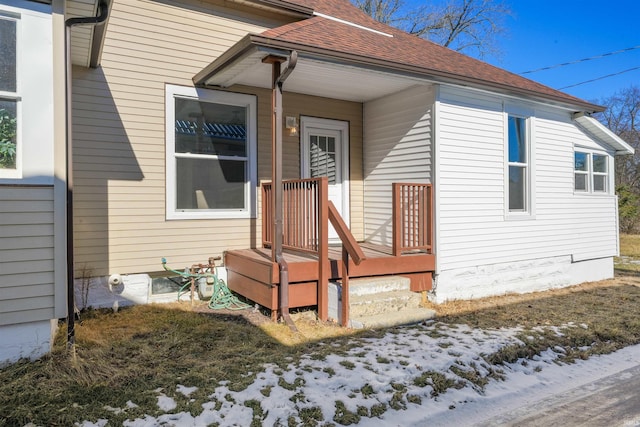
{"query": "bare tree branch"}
{"type": "Point", "coordinates": [622, 116]}
{"type": "Point", "coordinates": [469, 26]}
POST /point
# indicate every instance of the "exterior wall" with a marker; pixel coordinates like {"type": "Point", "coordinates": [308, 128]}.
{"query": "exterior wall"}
{"type": "Point", "coordinates": [481, 250]}
{"type": "Point", "coordinates": [119, 136]}
{"type": "Point", "coordinates": [28, 254]}
{"type": "Point", "coordinates": [397, 148]}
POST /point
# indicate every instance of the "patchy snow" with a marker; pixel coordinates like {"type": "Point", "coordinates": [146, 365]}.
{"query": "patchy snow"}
{"type": "Point", "coordinates": [166, 403]}
{"type": "Point", "coordinates": [394, 379]}
{"type": "Point", "coordinates": [186, 391]}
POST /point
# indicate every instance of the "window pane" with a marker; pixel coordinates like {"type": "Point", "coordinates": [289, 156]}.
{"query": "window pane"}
{"type": "Point", "coordinates": [8, 57]}
{"type": "Point", "coordinates": [322, 161]}
{"type": "Point", "coordinates": [517, 188]}
{"type": "Point", "coordinates": [581, 161]}
{"type": "Point", "coordinates": [210, 128]}
{"type": "Point", "coordinates": [210, 184]}
{"type": "Point", "coordinates": [600, 183]}
{"type": "Point", "coordinates": [599, 163]}
{"type": "Point", "coordinates": [8, 128]}
{"type": "Point", "coordinates": [517, 140]}
{"type": "Point", "coordinates": [580, 182]}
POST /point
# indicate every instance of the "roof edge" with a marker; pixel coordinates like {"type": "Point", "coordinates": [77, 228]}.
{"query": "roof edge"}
{"type": "Point", "coordinates": [600, 131]}
{"type": "Point", "coordinates": [438, 76]}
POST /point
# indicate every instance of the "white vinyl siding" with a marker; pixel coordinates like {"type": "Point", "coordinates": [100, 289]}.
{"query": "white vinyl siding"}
{"type": "Point", "coordinates": [472, 228]}
{"type": "Point", "coordinates": [26, 254]}
{"type": "Point", "coordinates": [397, 148]}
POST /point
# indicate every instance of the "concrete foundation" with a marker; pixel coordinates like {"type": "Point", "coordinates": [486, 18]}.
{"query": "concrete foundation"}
{"type": "Point", "coordinates": [517, 277]}
{"type": "Point", "coordinates": [26, 340]}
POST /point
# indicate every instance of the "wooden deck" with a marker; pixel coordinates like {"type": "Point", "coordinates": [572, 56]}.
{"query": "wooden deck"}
{"type": "Point", "coordinates": [297, 225]}
{"type": "Point", "coordinates": [252, 274]}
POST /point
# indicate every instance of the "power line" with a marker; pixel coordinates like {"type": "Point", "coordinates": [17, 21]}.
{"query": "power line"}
{"type": "Point", "coordinates": [600, 78]}
{"type": "Point", "coordinates": [581, 60]}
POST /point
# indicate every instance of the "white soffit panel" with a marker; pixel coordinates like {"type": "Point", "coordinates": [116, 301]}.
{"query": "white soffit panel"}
{"type": "Point", "coordinates": [315, 77]}
{"type": "Point", "coordinates": [81, 36]}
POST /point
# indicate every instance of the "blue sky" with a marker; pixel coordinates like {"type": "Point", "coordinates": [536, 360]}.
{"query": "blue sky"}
{"type": "Point", "coordinates": [543, 33]}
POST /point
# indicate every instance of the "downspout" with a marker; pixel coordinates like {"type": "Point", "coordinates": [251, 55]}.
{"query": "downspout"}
{"type": "Point", "coordinates": [103, 13]}
{"type": "Point", "coordinates": [276, 175]}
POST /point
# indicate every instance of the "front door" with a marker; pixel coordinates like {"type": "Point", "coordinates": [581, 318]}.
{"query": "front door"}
{"type": "Point", "coordinates": [325, 152]}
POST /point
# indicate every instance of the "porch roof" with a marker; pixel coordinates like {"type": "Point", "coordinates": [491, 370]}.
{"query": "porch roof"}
{"type": "Point", "coordinates": [345, 54]}
{"type": "Point", "coordinates": [602, 133]}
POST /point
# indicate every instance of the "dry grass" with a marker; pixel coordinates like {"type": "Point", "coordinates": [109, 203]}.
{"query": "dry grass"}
{"type": "Point", "coordinates": [127, 355]}
{"type": "Point", "coordinates": [627, 264]}
{"type": "Point", "coordinates": [630, 245]}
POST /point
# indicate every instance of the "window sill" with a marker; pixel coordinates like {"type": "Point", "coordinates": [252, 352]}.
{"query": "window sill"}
{"type": "Point", "coordinates": [591, 194]}
{"type": "Point", "coordinates": [173, 216]}
{"type": "Point", "coordinates": [519, 216]}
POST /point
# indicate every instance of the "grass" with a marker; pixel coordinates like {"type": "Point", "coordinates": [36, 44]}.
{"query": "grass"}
{"type": "Point", "coordinates": [125, 356]}
{"type": "Point", "coordinates": [630, 252]}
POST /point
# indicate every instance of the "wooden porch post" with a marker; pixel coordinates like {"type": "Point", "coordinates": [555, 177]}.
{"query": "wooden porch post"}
{"type": "Point", "coordinates": [276, 156]}
{"type": "Point", "coordinates": [323, 249]}
{"type": "Point", "coordinates": [278, 78]}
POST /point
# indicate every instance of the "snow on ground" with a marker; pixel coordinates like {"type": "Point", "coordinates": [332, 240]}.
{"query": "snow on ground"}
{"type": "Point", "coordinates": [398, 373]}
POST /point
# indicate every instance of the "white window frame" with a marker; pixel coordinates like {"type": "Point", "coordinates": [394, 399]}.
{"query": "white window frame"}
{"type": "Point", "coordinates": [230, 98]}
{"type": "Point", "coordinates": [529, 209]}
{"type": "Point", "coordinates": [15, 96]}
{"type": "Point", "coordinates": [590, 172]}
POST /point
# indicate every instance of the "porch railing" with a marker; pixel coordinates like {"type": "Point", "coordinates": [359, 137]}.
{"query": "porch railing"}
{"type": "Point", "coordinates": [412, 218]}
{"type": "Point", "coordinates": [305, 212]}
{"type": "Point", "coordinates": [305, 226]}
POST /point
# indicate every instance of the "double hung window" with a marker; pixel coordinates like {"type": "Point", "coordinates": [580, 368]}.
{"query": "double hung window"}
{"type": "Point", "coordinates": [9, 96]}
{"type": "Point", "coordinates": [591, 172]}
{"type": "Point", "coordinates": [211, 145]}
{"type": "Point", "coordinates": [518, 164]}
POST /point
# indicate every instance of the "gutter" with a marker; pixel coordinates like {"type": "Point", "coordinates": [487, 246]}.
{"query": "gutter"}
{"type": "Point", "coordinates": [103, 14]}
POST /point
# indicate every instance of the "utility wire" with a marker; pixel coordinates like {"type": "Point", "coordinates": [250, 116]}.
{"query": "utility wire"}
{"type": "Point", "coordinates": [581, 60]}
{"type": "Point", "coordinates": [600, 78]}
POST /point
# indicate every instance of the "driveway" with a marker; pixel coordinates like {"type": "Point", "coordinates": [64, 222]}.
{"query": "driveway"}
{"type": "Point", "coordinates": [611, 401]}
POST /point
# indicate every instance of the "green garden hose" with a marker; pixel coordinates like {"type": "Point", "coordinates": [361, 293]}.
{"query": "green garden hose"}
{"type": "Point", "coordinates": [222, 296]}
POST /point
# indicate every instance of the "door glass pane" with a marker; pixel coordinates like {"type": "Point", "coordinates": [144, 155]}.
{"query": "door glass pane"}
{"type": "Point", "coordinates": [8, 57]}
{"type": "Point", "coordinates": [516, 188]}
{"type": "Point", "coordinates": [322, 160]}
{"type": "Point", "coordinates": [210, 128]}
{"type": "Point", "coordinates": [599, 163]}
{"type": "Point", "coordinates": [517, 140]}
{"type": "Point", "coordinates": [8, 129]}
{"type": "Point", "coordinates": [210, 184]}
